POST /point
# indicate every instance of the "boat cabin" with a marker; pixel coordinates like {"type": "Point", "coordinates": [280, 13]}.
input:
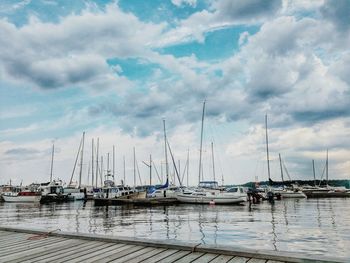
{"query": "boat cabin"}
{"type": "Point", "coordinates": [208, 184]}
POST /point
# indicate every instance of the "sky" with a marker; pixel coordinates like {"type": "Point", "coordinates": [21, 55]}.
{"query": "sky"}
{"type": "Point", "coordinates": [117, 69]}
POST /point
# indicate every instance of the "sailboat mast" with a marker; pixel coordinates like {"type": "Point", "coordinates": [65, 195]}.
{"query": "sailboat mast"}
{"type": "Point", "coordinates": [101, 171]}
{"type": "Point", "coordinates": [212, 155]}
{"type": "Point", "coordinates": [97, 148]}
{"type": "Point", "coordinates": [150, 169]}
{"type": "Point", "coordinates": [267, 149]}
{"type": "Point", "coordinates": [327, 169]}
{"type": "Point", "coordinates": [53, 151]}
{"type": "Point", "coordinates": [279, 155]}
{"type": "Point", "coordinates": [107, 163]}
{"type": "Point", "coordinates": [313, 169]}
{"type": "Point", "coordinates": [81, 160]}
{"type": "Point", "coordinates": [92, 162]}
{"type": "Point", "coordinates": [188, 163]}
{"type": "Point", "coordinates": [113, 162]}
{"type": "Point", "coordinates": [201, 144]}
{"type": "Point", "coordinates": [134, 169]}
{"type": "Point", "coordinates": [124, 169]}
{"type": "Point", "coordinates": [166, 153]}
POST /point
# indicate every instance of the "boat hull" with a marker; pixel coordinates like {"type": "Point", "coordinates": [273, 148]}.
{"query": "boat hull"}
{"type": "Point", "coordinates": [326, 194]}
{"type": "Point", "coordinates": [22, 199]}
{"type": "Point", "coordinates": [190, 199]}
{"type": "Point", "coordinates": [292, 195]}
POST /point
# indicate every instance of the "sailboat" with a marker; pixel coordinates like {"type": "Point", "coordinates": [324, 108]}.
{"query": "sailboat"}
{"type": "Point", "coordinates": [327, 190]}
{"type": "Point", "coordinates": [289, 192]}
{"type": "Point", "coordinates": [74, 191]}
{"type": "Point", "coordinates": [166, 192]}
{"type": "Point", "coordinates": [208, 192]}
{"type": "Point", "coordinates": [53, 190]}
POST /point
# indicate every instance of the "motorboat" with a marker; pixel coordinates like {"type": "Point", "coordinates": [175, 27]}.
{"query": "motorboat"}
{"type": "Point", "coordinates": [23, 196]}
{"type": "Point", "coordinates": [112, 191]}
{"type": "Point", "coordinates": [52, 192]}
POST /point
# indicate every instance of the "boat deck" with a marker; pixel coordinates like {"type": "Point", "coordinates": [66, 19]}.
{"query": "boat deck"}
{"type": "Point", "coordinates": [24, 245]}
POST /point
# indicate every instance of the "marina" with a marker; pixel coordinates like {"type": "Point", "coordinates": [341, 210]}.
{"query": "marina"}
{"type": "Point", "coordinates": [317, 227]}
{"type": "Point", "coordinates": [175, 131]}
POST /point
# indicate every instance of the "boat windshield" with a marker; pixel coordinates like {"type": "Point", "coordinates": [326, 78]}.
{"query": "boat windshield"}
{"type": "Point", "coordinates": [209, 184]}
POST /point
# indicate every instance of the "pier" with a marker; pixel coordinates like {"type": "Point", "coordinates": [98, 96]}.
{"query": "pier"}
{"type": "Point", "coordinates": [28, 245]}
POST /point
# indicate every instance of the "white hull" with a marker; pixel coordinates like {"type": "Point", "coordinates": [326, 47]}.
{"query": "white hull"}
{"type": "Point", "coordinates": [210, 199]}
{"type": "Point", "coordinates": [22, 199]}
{"type": "Point", "coordinates": [76, 196]}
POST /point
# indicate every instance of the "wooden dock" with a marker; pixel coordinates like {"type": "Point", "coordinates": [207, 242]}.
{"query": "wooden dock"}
{"type": "Point", "coordinates": [25, 245]}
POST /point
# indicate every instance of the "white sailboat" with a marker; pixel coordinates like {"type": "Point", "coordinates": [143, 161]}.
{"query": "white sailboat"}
{"type": "Point", "coordinates": [208, 192]}
{"type": "Point", "coordinates": [292, 192]}
{"type": "Point", "coordinates": [74, 191]}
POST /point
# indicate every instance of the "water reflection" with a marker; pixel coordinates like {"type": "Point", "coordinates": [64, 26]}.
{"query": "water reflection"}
{"type": "Point", "coordinates": [317, 226]}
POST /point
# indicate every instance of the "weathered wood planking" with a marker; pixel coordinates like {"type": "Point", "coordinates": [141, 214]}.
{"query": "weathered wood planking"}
{"type": "Point", "coordinates": [73, 248]}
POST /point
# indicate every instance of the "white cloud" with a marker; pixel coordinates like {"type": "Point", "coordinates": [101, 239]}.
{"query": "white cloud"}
{"type": "Point", "coordinates": [180, 3]}
{"type": "Point", "coordinates": [74, 50]}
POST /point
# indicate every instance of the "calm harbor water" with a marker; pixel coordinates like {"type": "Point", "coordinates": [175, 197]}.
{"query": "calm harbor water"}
{"type": "Point", "coordinates": [314, 226]}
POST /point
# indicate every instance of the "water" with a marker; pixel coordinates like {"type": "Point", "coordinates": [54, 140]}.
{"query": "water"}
{"type": "Point", "coordinates": [313, 226]}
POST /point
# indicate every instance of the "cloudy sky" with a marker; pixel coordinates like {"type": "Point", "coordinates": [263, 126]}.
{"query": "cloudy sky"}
{"type": "Point", "coordinates": [116, 69]}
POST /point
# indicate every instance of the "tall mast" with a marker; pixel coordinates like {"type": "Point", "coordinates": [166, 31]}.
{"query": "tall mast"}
{"type": "Point", "coordinates": [188, 163]}
{"type": "Point", "coordinates": [327, 169]}
{"type": "Point", "coordinates": [107, 163]}
{"type": "Point", "coordinates": [92, 163]}
{"type": "Point", "coordinates": [101, 171]}
{"type": "Point", "coordinates": [124, 169]}
{"type": "Point", "coordinates": [97, 148]}
{"type": "Point", "coordinates": [113, 163]}
{"type": "Point", "coordinates": [200, 149]}
{"type": "Point", "coordinates": [166, 153]}
{"type": "Point", "coordinates": [53, 151]}
{"type": "Point", "coordinates": [150, 169]}
{"type": "Point", "coordinates": [134, 169]}
{"type": "Point", "coordinates": [212, 154]}
{"type": "Point", "coordinates": [313, 169]}
{"type": "Point", "coordinates": [267, 149]}
{"type": "Point", "coordinates": [279, 155]}
{"type": "Point", "coordinates": [81, 160]}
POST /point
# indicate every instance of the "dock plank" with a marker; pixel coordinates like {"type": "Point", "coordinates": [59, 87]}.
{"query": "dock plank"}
{"type": "Point", "coordinates": [86, 257]}
{"type": "Point", "coordinates": [256, 260]}
{"type": "Point", "coordinates": [91, 248]}
{"type": "Point", "coordinates": [128, 257]}
{"type": "Point", "coordinates": [36, 250]}
{"type": "Point", "coordinates": [34, 257]}
{"type": "Point", "coordinates": [160, 256]}
{"type": "Point", "coordinates": [99, 257]}
{"type": "Point", "coordinates": [175, 256]}
{"type": "Point", "coordinates": [15, 236]}
{"type": "Point", "coordinates": [120, 254]}
{"type": "Point", "coordinates": [208, 257]}
{"type": "Point", "coordinates": [50, 254]}
{"type": "Point", "coordinates": [240, 260]}
{"type": "Point", "coordinates": [221, 259]}
{"type": "Point", "coordinates": [19, 240]}
{"type": "Point", "coordinates": [150, 254]}
{"type": "Point", "coordinates": [83, 252]}
{"type": "Point", "coordinates": [66, 252]}
{"type": "Point", "coordinates": [190, 257]}
{"type": "Point", "coordinates": [28, 246]}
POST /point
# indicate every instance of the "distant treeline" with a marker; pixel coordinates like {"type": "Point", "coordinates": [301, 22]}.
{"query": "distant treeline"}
{"type": "Point", "coordinates": [345, 183]}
